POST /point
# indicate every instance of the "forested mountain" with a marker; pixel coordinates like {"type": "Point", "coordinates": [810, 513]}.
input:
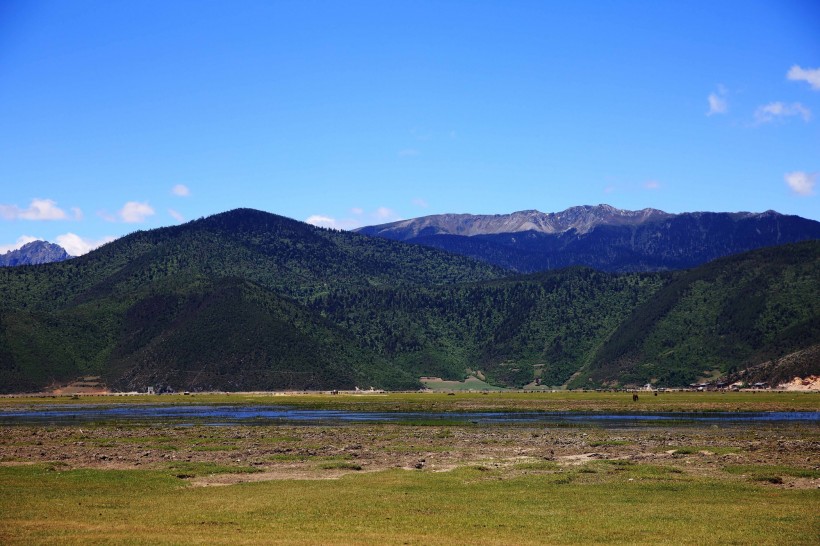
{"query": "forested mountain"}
{"type": "Point", "coordinates": [249, 300]}
{"type": "Point", "coordinates": [728, 315]}
{"type": "Point", "coordinates": [81, 317]}
{"type": "Point", "coordinates": [33, 253]}
{"type": "Point", "coordinates": [601, 237]}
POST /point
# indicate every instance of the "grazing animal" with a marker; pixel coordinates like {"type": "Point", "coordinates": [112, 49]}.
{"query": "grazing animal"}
{"type": "Point", "coordinates": [634, 396]}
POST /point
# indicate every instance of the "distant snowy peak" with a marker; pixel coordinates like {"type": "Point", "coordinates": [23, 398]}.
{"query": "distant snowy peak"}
{"type": "Point", "coordinates": [582, 219]}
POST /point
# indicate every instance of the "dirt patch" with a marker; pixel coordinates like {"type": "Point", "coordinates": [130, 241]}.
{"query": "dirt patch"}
{"type": "Point", "coordinates": [581, 458]}
{"type": "Point", "coordinates": [810, 383]}
{"type": "Point", "coordinates": [238, 454]}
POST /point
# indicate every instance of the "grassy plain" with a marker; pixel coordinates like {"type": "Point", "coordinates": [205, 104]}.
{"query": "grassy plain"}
{"type": "Point", "coordinates": [466, 401]}
{"type": "Point", "coordinates": [372, 483]}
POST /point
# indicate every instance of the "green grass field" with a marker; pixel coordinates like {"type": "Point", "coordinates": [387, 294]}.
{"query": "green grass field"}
{"type": "Point", "coordinates": [142, 484]}
{"type": "Point", "coordinates": [469, 401]}
{"type": "Point", "coordinates": [639, 504]}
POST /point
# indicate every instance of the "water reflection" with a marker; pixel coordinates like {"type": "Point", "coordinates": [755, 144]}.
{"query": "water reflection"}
{"type": "Point", "coordinates": [266, 415]}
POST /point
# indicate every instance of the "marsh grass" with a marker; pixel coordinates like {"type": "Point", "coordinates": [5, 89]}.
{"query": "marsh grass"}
{"type": "Point", "coordinates": [771, 473]}
{"type": "Point", "coordinates": [190, 469]}
{"type": "Point", "coordinates": [605, 443]}
{"type": "Point", "coordinates": [495, 401]}
{"type": "Point", "coordinates": [287, 457]}
{"type": "Point", "coordinates": [340, 465]}
{"type": "Point", "coordinates": [214, 447]}
{"type": "Point", "coordinates": [537, 465]}
{"type": "Point", "coordinates": [39, 506]}
{"type": "Point", "coordinates": [714, 450]}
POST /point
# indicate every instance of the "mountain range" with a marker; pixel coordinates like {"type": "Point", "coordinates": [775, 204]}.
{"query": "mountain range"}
{"type": "Point", "coordinates": [247, 300]}
{"type": "Point", "coordinates": [602, 237]}
{"type": "Point", "coordinates": [33, 253]}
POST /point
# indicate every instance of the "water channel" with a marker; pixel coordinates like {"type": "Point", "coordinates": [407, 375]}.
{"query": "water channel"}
{"type": "Point", "coordinates": [67, 415]}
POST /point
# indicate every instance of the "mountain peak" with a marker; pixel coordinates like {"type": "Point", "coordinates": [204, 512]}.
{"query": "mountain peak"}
{"type": "Point", "coordinates": [33, 253]}
{"type": "Point", "coordinates": [600, 236]}
{"type": "Point", "coordinates": [582, 219]}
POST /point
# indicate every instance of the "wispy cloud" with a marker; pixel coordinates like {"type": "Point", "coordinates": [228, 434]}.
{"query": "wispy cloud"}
{"type": "Point", "coordinates": [39, 209]}
{"type": "Point", "coordinates": [652, 185]}
{"type": "Point", "coordinates": [419, 202]}
{"type": "Point", "coordinates": [775, 111]}
{"type": "Point", "coordinates": [133, 212]}
{"type": "Point", "coordinates": [77, 246]}
{"type": "Point", "coordinates": [107, 216]}
{"type": "Point", "coordinates": [380, 216]}
{"type": "Point", "coordinates": [409, 152]}
{"type": "Point", "coordinates": [181, 190]}
{"type": "Point", "coordinates": [385, 214]}
{"type": "Point", "coordinates": [718, 104]}
{"type": "Point", "coordinates": [320, 220]}
{"type": "Point", "coordinates": [78, 214]}
{"type": "Point", "coordinates": [22, 240]}
{"type": "Point", "coordinates": [808, 75]}
{"type": "Point", "coordinates": [801, 183]}
{"type": "Point", "coordinates": [176, 215]}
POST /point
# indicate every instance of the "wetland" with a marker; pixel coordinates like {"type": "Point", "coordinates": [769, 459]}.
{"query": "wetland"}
{"type": "Point", "coordinates": [448, 477]}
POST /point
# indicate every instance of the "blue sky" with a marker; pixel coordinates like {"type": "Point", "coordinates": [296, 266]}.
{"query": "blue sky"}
{"type": "Point", "coordinates": [119, 116]}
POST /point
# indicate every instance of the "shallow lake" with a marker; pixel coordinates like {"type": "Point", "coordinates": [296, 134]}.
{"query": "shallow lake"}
{"type": "Point", "coordinates": [271, 415]}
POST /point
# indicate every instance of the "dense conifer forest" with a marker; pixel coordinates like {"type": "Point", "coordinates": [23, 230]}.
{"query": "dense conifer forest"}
{"type": "Point", "coordinates": [247, 300]}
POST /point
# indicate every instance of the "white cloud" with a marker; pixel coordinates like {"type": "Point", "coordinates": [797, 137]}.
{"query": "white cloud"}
{"type": "Point", "coordinates": [39, 209]}
{"type": "Point", "coordinates": [717, 102]}
{"type": "Point", "coordinates": [176, 215]}
{"type": "Point", "coordinates": [777, 110]}
{"type": "Point", "coordinates": [801, 183]}
{"type": "Point", "coordinates": [321, 221]}
{"type": "Point", "coordinates": [380, 215]}
{"type": "Point", "coordinates": [652, 185]}
{"type": "Point", "coordinates": [78, 214]}
{"type": "Point", "coordinates": [107, 216]}
{"type": "Point", "coordinates": [22, 240]}
{"type": "Point", "coordinates": [77, 246]}
{"type": "Point", "coordinates": [181, 190]}
{"type": "Point", "coordinates": [384, 213]}
{"type": "Point", "coordinates": [808, 75]}
{"type": "Point", "coordinates": [43, 209]}
{"type": "Point", "coordinates": [420, 203]}
{"type": "Point", "coordinates": [325, 221]}
{"type": "Point", "coordinates": [9, 212]}
{"type": "Point", "coordinates": [134, 213]}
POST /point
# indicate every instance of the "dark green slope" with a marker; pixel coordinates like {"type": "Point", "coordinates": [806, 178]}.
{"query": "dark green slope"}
{"type": "Point", "coordinates": [293, 258]}
{"type": "Point", "coordinates": [727, 315]}
{"type": "Point", "coordinates": [513, 331]}
{"type": "Point", "coordinates": [62, 320]}
{"type": "Point", "coordinates": [250, 300]}
{"type": "Point", "coordinates": [244, 337]}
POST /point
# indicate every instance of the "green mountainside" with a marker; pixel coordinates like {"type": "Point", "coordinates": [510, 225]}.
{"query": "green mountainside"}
{"type": "Point", "coordinates": [247, 300]}
{"type": "Point", "coordinates": [727, 315]}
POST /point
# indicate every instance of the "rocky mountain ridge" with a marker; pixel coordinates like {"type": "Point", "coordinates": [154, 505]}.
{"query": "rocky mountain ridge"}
{"type": "Point", "coordinates": [33, 253]}
{"type": "Point", "coordinates": [582, 219]}
{"type": "Point", "coordinates": [602, 237]}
